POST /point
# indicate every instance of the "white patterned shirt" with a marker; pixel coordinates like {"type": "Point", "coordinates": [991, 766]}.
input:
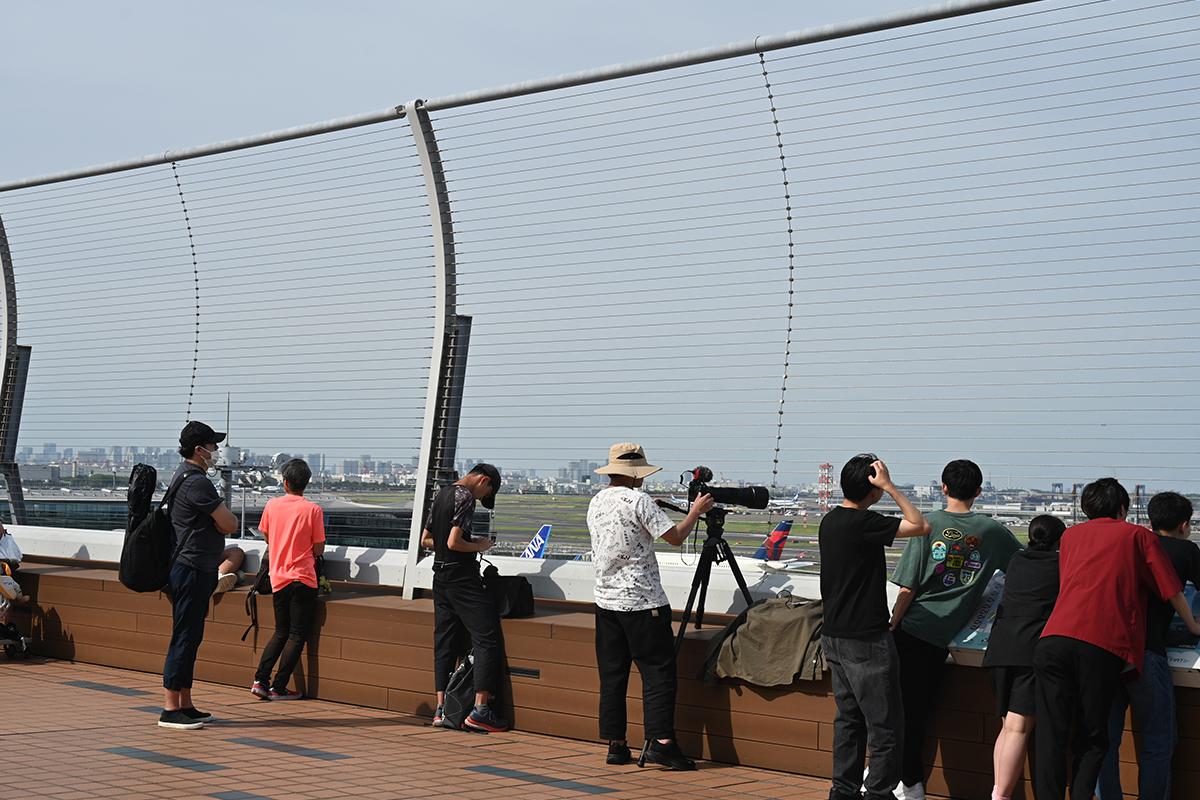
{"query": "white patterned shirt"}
{"type": "Point", "coordinates": [624, 523]}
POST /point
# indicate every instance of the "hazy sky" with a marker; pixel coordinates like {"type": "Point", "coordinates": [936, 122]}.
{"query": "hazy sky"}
{"type": "Point", "coordinates": [994, 255]}
{"type": "Point", "coordinates": [87, 83]}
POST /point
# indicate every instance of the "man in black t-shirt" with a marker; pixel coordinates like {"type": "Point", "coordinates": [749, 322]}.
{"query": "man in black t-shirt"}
{"type": "Point", "coordinates": [1152, 694]}
{"type": "Point", "coordinates": [200, 519]}
{"type": "Point", "coordinates": [460, 600]}
{"type": "Point", "coordinates": [855, 634]}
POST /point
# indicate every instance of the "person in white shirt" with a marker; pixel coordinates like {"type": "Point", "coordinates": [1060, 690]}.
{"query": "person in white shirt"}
{"type": "Point", "coordinates": [633, 616]}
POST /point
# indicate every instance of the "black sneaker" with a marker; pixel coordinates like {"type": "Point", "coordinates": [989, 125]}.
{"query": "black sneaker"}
{"type": "Point", "coordinates": [178, 720]}
{"type": "Point", "coordinates": [618, 754]}
{"type": "Point", "coordinates": [486, 721]}
{"type": "Point", "coordinates": [197, 715]}
{"type": "Point", "coordinates": [669, 755]}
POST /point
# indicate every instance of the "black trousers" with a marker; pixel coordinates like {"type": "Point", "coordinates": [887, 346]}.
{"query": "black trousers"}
{"type": "Point", "coordinates": [191, 589]}
{"type": "Point", "coordinates": [644, 638]}
{"type": "Point", "coordinates": [462, 604]}
{"type": "Point", "coordinates": [295, 607]}
{"type": "Point", "coordinates": [921, 666]}
{"type": "Point", "coordinates": [1074, 680]}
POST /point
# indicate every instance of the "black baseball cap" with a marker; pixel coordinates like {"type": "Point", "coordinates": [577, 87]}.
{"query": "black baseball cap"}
{"type": "Point", "coordinates": [493, 476]}
{"type": "Point", "coordinates": [195, 433]}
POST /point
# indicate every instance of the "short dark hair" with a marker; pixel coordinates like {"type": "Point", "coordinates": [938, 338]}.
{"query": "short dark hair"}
{"type": "Point", "coordinates": [1168, 510]}
{"type": "Point", "coordinates": [1045, 531]}
{"type": "Point", "coordinates": [962, 478]}
{"type": "Point", "coordinates": [1104, 498]}
{"type": "Point", "coordinates": [490, 471]}
{"type": "Point", "coordinates": [297, 473]}
{"type": "Point", "coordinates": [856, 477]}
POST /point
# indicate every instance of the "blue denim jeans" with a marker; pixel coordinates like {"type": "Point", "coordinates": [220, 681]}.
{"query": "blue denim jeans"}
{"type": "Point", "coordinates": [866, 687]}
{"type": "Point", "coordinates": [1153, 699]}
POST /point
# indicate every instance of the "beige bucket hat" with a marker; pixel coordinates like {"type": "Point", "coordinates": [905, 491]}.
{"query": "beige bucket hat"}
{"type": "Point", "coordinates": [629, 459]}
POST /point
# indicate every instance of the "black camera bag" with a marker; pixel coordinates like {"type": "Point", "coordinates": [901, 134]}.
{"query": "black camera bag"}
{"type": "Point", "coordinates": [147, 555]}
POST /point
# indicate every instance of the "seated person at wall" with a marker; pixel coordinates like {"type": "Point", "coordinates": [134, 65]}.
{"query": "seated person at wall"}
{"type": "Point", "coordinates": [1030, 589]}
{"type": "Point", "coordinates": [856, 636]}
{"type": "Point", "coordinates": [294, 529]}
{"type": "Point", "coordinates": [941, 578]}
{"type": "Point", "coordinates": [1107, 569]}
{"type": "Point", "coordinates": [229, 573]}
{"type": "Point", "coordinates": [633, 615]}
{"type": "Point", "coordinates": [1153, 693]}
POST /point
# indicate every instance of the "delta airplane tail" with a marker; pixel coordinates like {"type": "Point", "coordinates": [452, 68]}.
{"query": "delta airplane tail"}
{"type": "Point", "coordinates": [772, 548]}
{"type": "Point", "coordinates": [537, 545]}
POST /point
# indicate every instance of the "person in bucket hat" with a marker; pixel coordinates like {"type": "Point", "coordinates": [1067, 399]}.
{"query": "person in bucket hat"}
{"type": "Point", "coordinates": [633, 615]}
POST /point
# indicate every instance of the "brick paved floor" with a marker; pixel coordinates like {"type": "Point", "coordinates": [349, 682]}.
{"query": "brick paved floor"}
{"type": "Point", "coordinates": [72, 731]}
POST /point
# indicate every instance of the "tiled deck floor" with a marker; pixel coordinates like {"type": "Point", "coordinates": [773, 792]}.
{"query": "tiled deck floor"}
{"type": "Point", "coordinates": [72, 730]}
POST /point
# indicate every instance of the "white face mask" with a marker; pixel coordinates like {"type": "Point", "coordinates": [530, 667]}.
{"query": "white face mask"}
{"type": "Point", "coordinates": [206, 457]}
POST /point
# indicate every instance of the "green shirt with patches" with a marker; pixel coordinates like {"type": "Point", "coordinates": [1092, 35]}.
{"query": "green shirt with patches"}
{"type": "Point", "coordinates": [949, 569]}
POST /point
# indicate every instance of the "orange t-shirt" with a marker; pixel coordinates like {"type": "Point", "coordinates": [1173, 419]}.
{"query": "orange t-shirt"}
{"type": "Point", "coordinates": [293, 525]}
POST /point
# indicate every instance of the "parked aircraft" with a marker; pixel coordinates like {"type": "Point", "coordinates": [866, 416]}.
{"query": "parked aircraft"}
{"type": "Point", "coordinates": [769, 558]}
{"type": "Point", "coordinates": [793, 503]}
{"type": "Point", "coordinates": [772, 547]}
{"type": "Point", "coordinates": [537, 545]}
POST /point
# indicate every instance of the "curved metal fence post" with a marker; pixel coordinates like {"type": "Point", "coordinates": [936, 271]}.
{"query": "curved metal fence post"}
{"type": "Point", "coordinates": [447, 367]}
{"type": "Point", "coordinates": [15, 362]}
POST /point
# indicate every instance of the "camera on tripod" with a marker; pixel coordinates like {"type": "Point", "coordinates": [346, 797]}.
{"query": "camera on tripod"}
{"type": "Point", "coordinates": [748, 496]}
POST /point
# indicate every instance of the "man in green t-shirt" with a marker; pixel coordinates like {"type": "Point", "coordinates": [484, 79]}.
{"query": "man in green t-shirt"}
{"type": "Point", "coordinates": [941, 578]}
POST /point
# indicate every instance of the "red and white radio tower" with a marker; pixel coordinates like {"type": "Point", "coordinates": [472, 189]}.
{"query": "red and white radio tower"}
{"type": "Point", "coordinates": [824, 486]}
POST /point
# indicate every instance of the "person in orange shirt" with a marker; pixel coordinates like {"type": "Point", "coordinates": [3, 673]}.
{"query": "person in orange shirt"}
{"type": "Point", "coordinates": [295, 532]}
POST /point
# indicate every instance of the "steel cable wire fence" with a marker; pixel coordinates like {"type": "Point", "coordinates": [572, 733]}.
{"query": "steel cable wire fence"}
{"type": "Point", "coordinates": [974, 237]}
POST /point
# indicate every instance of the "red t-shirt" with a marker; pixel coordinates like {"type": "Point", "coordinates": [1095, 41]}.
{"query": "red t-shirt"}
{"type": "Point", "coordinates": [1106, 569]}
{"type": "Point", "coordinates": [293, 525]}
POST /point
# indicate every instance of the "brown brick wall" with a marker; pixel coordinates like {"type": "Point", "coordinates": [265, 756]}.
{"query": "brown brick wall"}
{"type": "Point", "coordinates": [373, 648]}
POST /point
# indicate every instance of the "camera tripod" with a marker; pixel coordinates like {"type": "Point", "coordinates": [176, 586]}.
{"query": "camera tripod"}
{"type": "Point", "coordinates": [715, 550]}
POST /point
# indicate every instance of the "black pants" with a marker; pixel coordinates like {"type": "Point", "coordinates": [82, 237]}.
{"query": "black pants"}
{"type": "Point", "coordinates": [921, 666]}
{"type": "Point", "coordinates": [191, 589]}
{"type": "Point", "coordinates": [462, 603]}
{"type": "Point", "coordinates": [644, 638]}
{"type": "Point", "coordinates": [295, 607]}
{"type": "Point", "coordinates": [1074, 680]}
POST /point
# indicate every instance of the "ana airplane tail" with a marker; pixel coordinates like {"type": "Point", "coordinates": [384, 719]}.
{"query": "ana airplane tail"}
{"type": "Point", "coordinates": [772, 548]}
{"type": "Point", "coordinates": [537, 545]}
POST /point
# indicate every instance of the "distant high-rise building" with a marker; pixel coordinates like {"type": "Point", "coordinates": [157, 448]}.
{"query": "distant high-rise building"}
{"type": "Point", "coordinates": [316, 462]}
{"type": "Point", "coordinates": [49, 449]}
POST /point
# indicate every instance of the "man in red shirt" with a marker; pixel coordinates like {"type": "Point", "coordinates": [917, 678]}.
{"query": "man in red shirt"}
{"type": "Point", "coordinates": [1107, 567]}
{"type": "Point", "coordinates": [295, 532]}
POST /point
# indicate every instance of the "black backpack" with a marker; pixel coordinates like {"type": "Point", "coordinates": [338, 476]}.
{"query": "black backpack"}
{"type": "Point", "coordinates": [147, 555]}
{"type": "Point", "coordinates": [460, 694]}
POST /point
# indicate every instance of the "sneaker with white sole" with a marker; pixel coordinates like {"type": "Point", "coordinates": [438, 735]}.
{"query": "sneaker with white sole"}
{"type": "Point", "coordinates": [285, 694]}
{"type": "Point", "coordinates": [260, 689]}
{"type": "Point", "coordinates": [196, 715]}
{"type": "Point", "coordinates": [905, 792]}
{"type": "Point", "coordinates": [179, 721]}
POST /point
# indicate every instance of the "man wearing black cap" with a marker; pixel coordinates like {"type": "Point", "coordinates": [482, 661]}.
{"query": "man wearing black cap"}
{"type": "Point", "coordinates": [201, 518]}
{"type": "Point", "coordinates": [460, 600]}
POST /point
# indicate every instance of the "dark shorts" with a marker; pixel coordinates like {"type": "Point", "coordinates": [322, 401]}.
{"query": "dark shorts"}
{"type": "Point", "coordinates": [1015, 689]}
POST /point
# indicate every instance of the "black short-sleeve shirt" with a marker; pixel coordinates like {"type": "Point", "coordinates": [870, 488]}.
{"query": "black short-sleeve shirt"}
{"type": "Point", "coordinates": [192, 507]}
{"type": "Point", "coordinates": [853, 571]}
{"type": "Point", "coordinates": [1185, 557]}
{"type": "Point", "coordinates": [453, 507]}
{"type": "Point", "coordinates": [1030, 590]}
